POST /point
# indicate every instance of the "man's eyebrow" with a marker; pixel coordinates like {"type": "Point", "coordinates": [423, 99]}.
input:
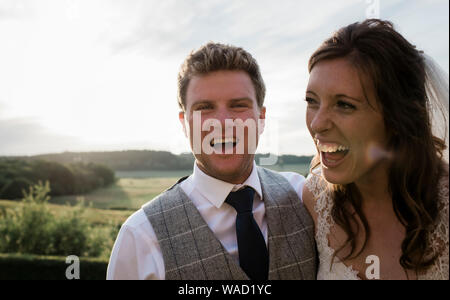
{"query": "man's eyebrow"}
{"type": "Point", "coordinates": [200, 102]}
{"type": "Point", "coordinates": [241, 99]}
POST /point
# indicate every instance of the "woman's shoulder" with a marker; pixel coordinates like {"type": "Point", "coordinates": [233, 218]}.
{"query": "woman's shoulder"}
{"type": "Point", "coordinates": [443, 187]}
{"type": "Point", "coordinates": [315, 182]}
{"type": "Point", "coordinates": [315, 193]}
{"type": "Point", "coordinates": [439, 237]}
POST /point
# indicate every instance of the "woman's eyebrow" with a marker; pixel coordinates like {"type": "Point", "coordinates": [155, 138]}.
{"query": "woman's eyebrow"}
{"type": "Point", "coordinates": [350, 97]}
{"type": "Point", "coordinates": [311, 92]}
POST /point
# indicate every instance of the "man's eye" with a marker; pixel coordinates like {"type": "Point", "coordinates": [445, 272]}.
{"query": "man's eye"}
{"type": "Point", "coordinates": [240, 105]}
{"type": "Point", "coordinates": [203, 107]}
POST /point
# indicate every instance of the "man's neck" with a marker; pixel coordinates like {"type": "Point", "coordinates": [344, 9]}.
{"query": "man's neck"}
{"type": "Point", "coordinates": [239, 178]}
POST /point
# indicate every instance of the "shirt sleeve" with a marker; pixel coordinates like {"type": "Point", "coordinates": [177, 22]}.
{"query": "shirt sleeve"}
{"type": "Point", "coordinates": [297, 182]}
{"type": "Point", "coordinates": [136, 253]}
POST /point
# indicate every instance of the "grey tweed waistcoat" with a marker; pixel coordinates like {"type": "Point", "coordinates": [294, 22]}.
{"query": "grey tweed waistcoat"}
{"type": "Point", "coordinates": [192, 252]}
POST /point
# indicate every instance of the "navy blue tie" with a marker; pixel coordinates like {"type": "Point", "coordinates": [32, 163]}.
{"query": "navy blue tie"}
{"type": "Point", "coordinates": [253, 254]}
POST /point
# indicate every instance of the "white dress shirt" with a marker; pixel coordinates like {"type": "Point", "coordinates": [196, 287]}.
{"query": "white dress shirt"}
{"type": "Point", "coordinates": [136, 253]}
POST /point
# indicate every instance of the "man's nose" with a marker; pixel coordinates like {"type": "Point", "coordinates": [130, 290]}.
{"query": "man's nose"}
{"type": "Point", "coordinates": [222, 114]}
{"type": "Point", "coordinates": [217, 119]}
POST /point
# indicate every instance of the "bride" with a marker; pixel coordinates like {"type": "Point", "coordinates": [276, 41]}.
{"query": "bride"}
{"type": "Point", "coordinates": [378, 190]}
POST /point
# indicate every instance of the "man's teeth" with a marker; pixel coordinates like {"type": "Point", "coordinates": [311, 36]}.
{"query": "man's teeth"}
{"type": "Point", "coordinates": [331, 148]}
{"type": "Point", "coordinates": [216, 141]}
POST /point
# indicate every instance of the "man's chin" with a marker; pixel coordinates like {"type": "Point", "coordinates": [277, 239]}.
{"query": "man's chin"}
{"type": "Point", "coordinates": [228, 168]}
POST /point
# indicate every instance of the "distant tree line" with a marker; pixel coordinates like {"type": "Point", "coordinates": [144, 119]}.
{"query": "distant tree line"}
{"type": "Point", "coordinates": [17, 175]}
{"type": "Point", "coordinates": [287, 159]}
{"type": "Point", "coordinates": [145, 160]}
{"type": "Point", "coordinates": [130, 160]}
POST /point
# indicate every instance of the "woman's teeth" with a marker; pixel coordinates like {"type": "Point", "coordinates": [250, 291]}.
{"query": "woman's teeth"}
{"type": "Point", "coordinates": [330, 148]}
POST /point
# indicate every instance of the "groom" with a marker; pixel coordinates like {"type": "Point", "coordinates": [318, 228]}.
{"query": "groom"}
{"type": "Point", "coordinates": [230, 219]}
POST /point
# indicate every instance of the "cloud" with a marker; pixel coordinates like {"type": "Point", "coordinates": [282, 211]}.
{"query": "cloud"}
{"type": "Point", "coordinates": [27, 137]}
{"type": "Point", "coordinates": [105, 71]}
{"type": "Point", "coordinates": [175, 27]}
{"type": "Point", "coordinates": [13, 9]}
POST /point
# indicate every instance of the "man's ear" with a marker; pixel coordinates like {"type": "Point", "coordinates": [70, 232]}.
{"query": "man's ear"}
{"type": "Point", "coordinates": [262, 113]}
{"type": "Point", "coordinates": [182, 121]}
{"type": "Point", "coordinates": [262, 119]}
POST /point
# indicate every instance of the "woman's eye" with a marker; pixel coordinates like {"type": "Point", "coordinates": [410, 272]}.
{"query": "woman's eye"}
{"type": "Point", "coordinates": [345, 105]}
{"type": "Point", "coordinates": [310, 101]}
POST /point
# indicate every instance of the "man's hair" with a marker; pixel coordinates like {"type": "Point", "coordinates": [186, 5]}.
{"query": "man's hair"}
{"type": "Point", "coordinates": [217, 57]}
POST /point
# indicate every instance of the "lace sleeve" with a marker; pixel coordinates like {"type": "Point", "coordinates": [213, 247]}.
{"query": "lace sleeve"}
{"type": "Point", "coordinates": [317, 186]}
{"type": "Point", "coordinates": [323, 204]}
{"type": "Point", "coordinates": [439, 237]}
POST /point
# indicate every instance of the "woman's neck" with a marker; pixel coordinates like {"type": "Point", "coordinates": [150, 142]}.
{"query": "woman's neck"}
{"type": "Point", "coordinates": [374, 186]}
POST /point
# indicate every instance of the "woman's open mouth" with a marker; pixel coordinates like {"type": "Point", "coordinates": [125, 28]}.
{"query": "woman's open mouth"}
{"type": "Point", "coordinates": [332, 154]}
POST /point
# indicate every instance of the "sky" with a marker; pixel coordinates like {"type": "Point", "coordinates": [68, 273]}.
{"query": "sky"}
{"type": "Point", "coordinates": [101, 75]}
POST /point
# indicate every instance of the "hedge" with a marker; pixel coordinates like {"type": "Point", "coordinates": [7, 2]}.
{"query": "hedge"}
{"type": "Point", "coordinates": [36, 267]}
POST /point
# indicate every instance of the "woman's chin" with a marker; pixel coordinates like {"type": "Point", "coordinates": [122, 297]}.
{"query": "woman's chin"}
{"type": "Point", "coordinates": [335, 177]}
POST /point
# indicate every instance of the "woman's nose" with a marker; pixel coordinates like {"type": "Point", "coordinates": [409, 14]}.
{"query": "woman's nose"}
{"type": "Point", "coordinates": [321, 120]}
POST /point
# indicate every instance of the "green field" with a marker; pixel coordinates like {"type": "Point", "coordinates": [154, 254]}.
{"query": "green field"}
{"type": "Point", "coordinates": [153, 174]}
{"type": "Point", "coordinates": [297, 168]}
{"type": "Point", "coordinates": [135, 188]}
{"type": "Point", "coordinates": [130, 192]}
{"type": "Point", "coordinates": [95, 216]}
{"type": "Point", "coordinates": [126, 193]}
{"type": "Point", "coordinates": [106, 209]}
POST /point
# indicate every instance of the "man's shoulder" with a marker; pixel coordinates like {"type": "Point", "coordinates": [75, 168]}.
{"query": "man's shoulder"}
{"type": "Point", "coordinates": [171, 193]}
{"type": "Point", "coordinates": [136, 220]}
{"type": "Point", "coordinates": [289, 176]}
{"type": "Point", "coordinates": [292, 179]}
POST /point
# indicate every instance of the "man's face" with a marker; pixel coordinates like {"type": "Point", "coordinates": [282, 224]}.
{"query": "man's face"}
{"type": "Point", "coordinates": [217, 97]}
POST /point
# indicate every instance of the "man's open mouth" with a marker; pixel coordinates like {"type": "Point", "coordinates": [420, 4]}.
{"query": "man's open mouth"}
{"type": "Point", "coordinates": [224, 145]}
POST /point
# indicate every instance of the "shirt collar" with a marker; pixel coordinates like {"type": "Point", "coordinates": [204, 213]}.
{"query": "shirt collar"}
{"type": "Point", "coordinates": [216, 191]}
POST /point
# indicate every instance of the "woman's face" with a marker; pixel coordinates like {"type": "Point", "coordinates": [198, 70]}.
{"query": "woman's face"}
{"type": "Point", "coordinates": [346, 123]}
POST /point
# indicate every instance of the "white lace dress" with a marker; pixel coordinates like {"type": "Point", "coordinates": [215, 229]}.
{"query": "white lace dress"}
{"type": "Point", "coordinates": [339, 271]}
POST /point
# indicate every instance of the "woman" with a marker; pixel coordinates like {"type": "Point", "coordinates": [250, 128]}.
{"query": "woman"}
{"type": "Point", "coordinates": [378, 190]}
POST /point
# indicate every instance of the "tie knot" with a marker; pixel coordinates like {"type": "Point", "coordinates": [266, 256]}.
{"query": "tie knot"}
{"type": "Point", "coordinates": [241, 200]}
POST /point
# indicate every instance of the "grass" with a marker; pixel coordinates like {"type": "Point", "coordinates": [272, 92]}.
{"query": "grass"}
{"type": "Point", "coordinates": [95, 216]}
{"type": "Point", "coordinates": [106, 207]}
{"type": "Point", "coordinates": [297, 168]}
{"type": "Point", "coordinates": [126, 193]}
{"type": "Point", "coordinates": [139, 187]}
{"type": "Point", "coordinates": [153, 174]}
{"type": "Point", "coordinates": [118, 201]}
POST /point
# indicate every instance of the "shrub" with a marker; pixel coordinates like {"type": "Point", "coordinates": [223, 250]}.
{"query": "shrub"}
{"type": "Point", "coordinates": [33, 267]}
{"type": "Point", "coordinates": [12, 188]}
{"type": "Point", "coordinates": [70, 179]}
{"type": "Point", "coordinates": [33, 229]}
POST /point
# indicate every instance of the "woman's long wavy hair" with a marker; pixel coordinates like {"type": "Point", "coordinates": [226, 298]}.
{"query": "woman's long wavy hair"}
{"type": "Point", "coordinates": [397, 71]}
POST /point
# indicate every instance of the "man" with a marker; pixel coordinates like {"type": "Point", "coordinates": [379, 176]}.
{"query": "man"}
{"type": "Point", "coordinates": [230, 219]}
